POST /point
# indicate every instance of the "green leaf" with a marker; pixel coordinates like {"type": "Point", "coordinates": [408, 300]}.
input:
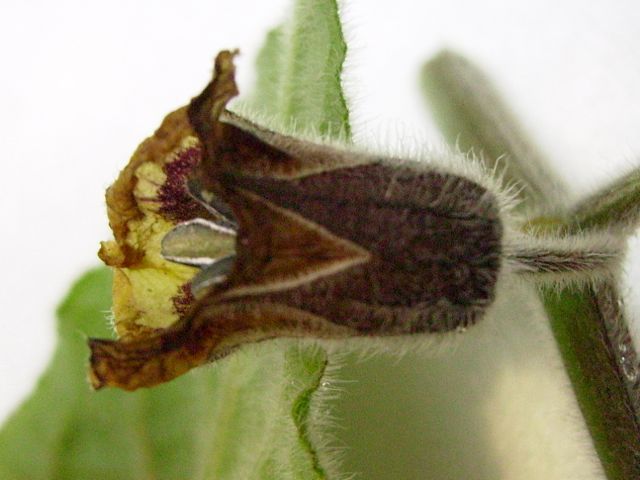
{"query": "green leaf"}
{"type": "Point", "coordinates": [617, 206]}
{"type": "Point", "coordinates": [472, 115]}
{"type": "Point", "coordinates": [242, 418]}
{"type": "Point", "coordinates": [299, 70]}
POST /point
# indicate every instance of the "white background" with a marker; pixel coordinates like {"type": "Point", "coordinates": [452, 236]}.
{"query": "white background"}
{"type": "Point", "coordinates": [83, 82]}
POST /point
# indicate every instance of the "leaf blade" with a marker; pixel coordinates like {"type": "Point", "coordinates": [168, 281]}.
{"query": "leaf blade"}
{"type": "Point", "coordinates": [299, 72]}
{"type": "Point", "coordinates": [472, 115]}
{"type": "Point", "coordinates": [66, 431]}
{"type": "Point", "coordinates": [616, 206]}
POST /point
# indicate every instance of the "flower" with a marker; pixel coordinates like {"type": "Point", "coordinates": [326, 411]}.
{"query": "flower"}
{"type": "Point", "coordinates": [299, 239]}
{"type": "Point", "coordinates": [147, 200]}
{"type": "Point", "coordinates": [163, 330]}
{"type": "Point", "coordinates": [330, 243]}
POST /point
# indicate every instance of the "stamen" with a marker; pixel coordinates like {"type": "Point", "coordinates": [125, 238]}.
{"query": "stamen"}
{"type": "Point", "coordinates": [197, 242]}
{"type": "Point", "coordinates": [220, 210]}
{"type": "Point", "coordinates": [212, 274]}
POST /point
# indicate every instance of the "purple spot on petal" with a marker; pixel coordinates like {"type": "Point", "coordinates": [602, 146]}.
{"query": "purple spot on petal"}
{"type": "Point", "coordinates": [177, 204]}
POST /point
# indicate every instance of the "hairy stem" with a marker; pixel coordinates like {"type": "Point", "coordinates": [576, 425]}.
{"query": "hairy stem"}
{"type": "Point", "coordinates": [588, 324]}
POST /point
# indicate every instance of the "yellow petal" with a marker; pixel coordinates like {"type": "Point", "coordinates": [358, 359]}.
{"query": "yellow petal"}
{"type": "Point", "coordinates": [144, 204]}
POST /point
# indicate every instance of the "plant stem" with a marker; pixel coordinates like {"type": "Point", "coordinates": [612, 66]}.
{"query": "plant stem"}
{"type": "Point", "coordinates": [584, 323]}
{"type": "Point", "coordinates": [588, 324]}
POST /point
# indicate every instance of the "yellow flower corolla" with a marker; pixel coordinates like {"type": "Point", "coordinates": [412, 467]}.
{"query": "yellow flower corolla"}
{"type": "Point", "coordinates": [147, 200]}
